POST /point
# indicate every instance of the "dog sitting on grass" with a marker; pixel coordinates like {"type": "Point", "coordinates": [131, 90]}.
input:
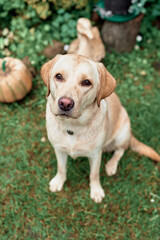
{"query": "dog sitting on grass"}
{"type": "Point", "coordinates": [84, 117]}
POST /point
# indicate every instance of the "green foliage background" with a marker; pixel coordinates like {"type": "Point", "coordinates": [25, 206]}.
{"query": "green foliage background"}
{"type": "Point", "coordinates": [25, 20]}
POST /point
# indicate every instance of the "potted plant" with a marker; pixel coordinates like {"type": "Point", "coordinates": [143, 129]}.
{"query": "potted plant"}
{"type": "Point", "coordinates": [122, 22]}
{"type": "Point", "coordinates": [117, 7]}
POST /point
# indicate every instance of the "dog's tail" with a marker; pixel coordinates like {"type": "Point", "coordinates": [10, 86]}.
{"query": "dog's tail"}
{"type": "Point", "coordinates": [143, 149]}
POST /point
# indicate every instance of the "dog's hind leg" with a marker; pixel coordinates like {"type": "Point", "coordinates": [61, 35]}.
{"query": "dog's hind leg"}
{"type": "Point", "coordinates": [112, 164]}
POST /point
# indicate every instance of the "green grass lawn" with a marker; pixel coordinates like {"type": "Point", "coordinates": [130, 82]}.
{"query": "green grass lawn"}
{"type": "Point", "coordinates": [131, 208]}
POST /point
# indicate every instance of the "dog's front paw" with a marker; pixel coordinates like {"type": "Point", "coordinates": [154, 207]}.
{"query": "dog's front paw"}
{"type": "Point", "coordinates": [97, 193]}
{"type": "Point", "coordinates": [56, 184]}
{"type": "Point", "coordinates": [111, 168]}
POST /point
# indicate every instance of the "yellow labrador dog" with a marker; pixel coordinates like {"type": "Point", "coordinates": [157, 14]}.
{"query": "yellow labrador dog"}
{"type": "Point", "coordinates": [85, 118]}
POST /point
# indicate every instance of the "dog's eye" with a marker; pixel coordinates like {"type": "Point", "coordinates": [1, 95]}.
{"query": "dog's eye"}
{"type": "Point", "coordinates": [86, 82]}
{"type": "Point", "coordinates": [59, 77]}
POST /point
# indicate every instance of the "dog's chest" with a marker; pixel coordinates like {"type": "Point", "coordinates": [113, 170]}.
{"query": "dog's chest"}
{"type": "Point", "coordinates": [73, 141]}
{"type": "Point", "coordinates": [73, 145]}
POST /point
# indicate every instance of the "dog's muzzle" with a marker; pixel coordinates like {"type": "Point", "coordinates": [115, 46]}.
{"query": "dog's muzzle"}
{"type": "Point", "coordinates": [65, 104]}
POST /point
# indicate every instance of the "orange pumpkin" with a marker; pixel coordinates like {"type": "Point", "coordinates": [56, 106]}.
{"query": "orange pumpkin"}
{"type": "Point", "coordinates": [15, 80]}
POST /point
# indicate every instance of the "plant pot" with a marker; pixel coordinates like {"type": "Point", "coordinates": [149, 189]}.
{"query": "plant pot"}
{"type": "Point", "coordinates": [117, 6]}
{"type": "Point", "coordinates": [121, 36]}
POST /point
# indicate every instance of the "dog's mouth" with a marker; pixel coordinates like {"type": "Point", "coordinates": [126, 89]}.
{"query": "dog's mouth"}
{"type": "Point", "coordinates": [64, 115]}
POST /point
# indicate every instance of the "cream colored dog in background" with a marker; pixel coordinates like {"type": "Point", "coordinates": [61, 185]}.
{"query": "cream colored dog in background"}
{"type": "Point", "coordinates": [85, 118]}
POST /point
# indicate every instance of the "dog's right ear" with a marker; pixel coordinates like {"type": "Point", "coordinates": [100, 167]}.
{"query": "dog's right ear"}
{"type": "Point", "coordinates": [45, 72]}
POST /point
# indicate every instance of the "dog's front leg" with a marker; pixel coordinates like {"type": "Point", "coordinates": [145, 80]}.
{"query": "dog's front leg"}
{"type": "Point", "coordinates": [97, 192]}
{"type": "Point", "coordinates": [56, 184]}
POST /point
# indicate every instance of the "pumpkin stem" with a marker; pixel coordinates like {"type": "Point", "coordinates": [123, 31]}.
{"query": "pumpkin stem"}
{"type": "Point", "coordinates": [4, 66]}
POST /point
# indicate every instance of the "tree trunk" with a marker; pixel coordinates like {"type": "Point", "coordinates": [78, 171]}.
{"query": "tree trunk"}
{"type": "Point", "coordinates": [121, 36]}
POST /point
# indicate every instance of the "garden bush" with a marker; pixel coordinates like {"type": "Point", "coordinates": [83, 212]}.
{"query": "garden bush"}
{"type": "Point", "coordinates": [23, 28]}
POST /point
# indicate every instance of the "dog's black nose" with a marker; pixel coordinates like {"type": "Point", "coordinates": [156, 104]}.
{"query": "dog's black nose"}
{"type": "Point", "coordinates": [65, 104]}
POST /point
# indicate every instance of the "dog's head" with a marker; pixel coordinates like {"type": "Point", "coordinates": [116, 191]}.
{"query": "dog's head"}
{"type": "Point", "coordinates": [75, 82]}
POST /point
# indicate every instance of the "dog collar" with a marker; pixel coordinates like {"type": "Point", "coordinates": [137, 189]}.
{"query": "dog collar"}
{"type": "Point", "coordinates": [70, 132]}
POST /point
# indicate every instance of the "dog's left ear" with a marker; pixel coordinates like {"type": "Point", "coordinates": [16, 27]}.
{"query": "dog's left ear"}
{"type": "Point", "coordinates": [45, 72]}
{"type": "Point", "coordinates": [107, 83]}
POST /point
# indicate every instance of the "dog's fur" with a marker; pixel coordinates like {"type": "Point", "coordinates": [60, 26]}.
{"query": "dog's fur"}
{"type": "Point", "coordinates": [98, 122]}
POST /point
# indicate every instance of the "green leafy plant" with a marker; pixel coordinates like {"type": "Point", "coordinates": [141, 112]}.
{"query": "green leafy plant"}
{"type": "Point", "coordinates": [154, 9]}
{"type": "Point", "coordinates": [45, 8]}
{"type": "Point", "coordinates": [140, 6]}
{"type": "Point", "coordinates": [29, 31]}
{"type": "Point", "coordinates": [64, 26]}
{"type": "Point", "coordinates": [70, 4]}
{"type": "Point", "coordinates": [24, 19]}
{"type": "Point", "coordinates": [137, 7]}
{"type": "Point", "coordinates": [42, 8]}
{"type": "Point", "coordinates": [8, 9]}
{"type": "Point", "coordinates": [7, 6]}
